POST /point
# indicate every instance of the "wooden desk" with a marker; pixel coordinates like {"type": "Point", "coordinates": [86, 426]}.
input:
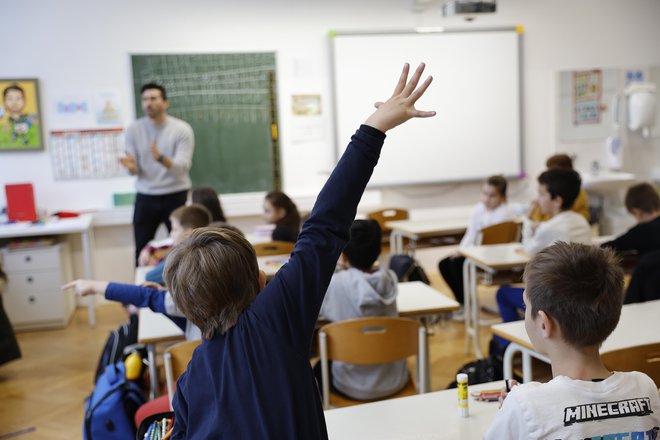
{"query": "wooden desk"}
{"type": "Point", "coordinates": [423, 416]}
{"type": "Point", "coordinates": [639, 324]}
{"type": "Point", "coordinates": [413, 230]}
{"type": "Point", "coordinates": [272, 263]}
{"type": "Point", "coordinates": [489, 258]}
{"type": "Point", "coordinates": [78, 225]}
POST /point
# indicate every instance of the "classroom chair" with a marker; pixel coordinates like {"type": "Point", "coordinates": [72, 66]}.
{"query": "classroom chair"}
{"type": "Point", "coordinates": [644, 358]}
{"type": "Point", "coordinates": [500, 233]}
{"type": "Point", "coordinates": [273, 248]}
{"type": "Point", "coordinates": [368, 341]}
{"type": "Point", "coordinates": [386, 215]}
{"type": "Point", "coordinates": [176, 358]}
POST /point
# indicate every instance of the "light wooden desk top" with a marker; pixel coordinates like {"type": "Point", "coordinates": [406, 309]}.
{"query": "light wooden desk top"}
{"type": "Point", "coordinates": [423, 416]}
{"type": "Point", "coordinates": [423, 228]}
{"type": "Point", "coordinates": [272, 263]}
{"type": "Point", "coordinates": [639, 325]}
{"type": "Point", "coordinates": [496, 256]}
{"type": "Point", "coordinates": [416, 298]}
{"type": "Point", "coordinates": [155, 327]}
{"type": "Point", "coordinates": [74, 225]}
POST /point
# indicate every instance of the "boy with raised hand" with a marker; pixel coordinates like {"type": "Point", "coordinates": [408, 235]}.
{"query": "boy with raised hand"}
{"type": "Point", "coordinates": [573, 302]}
{"type": "Point", "coordinates": [251, 377]}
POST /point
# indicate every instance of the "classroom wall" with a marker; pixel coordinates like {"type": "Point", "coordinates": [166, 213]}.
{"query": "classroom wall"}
{"type": "Point", "coordinates": [75, 44]}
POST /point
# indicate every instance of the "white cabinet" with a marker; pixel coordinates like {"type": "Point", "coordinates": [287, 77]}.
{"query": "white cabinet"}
{"type": "Point", "coordinates": [33, 298]}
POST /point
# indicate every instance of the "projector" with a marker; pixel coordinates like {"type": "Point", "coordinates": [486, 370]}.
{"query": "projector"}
{"type": "Point", "coordinates": [464, 7]}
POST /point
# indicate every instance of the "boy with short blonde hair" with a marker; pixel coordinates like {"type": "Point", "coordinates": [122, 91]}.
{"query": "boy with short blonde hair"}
{"type": "Point", "coordinates": [251, 377]}
{"type": "Point", "coordinates": [573, 302]}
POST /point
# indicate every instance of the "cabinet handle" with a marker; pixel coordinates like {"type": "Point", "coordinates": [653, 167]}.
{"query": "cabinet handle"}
{"type": "Point", "coordinates": [31, 299]}
{"type": "Point", "coordinates": [30, 279]}
{"type": "Point", "coordinates": [28, 259]}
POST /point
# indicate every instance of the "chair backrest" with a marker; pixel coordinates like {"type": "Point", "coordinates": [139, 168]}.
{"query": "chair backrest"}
{"type": "Point", "coordinates": [386, 215]}
{"type": "Point", "coordinates": [372, 341]}
{"type": "Point", "coordinates": [505, 232]}
{"type": "Point", "coordinates": [176, 358]}
{"type": "Point", "coordinates": [273, 248]}
{"type": "Point", "coordinates": [644, 358]}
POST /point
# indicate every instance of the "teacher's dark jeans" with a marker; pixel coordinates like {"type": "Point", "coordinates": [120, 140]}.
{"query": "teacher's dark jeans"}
{"type": "Point", "coordinates": [150, 212]}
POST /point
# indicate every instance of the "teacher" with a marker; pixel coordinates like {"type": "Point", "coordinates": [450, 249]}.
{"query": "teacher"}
{"type": "Point", "coordinates": [159, 150]}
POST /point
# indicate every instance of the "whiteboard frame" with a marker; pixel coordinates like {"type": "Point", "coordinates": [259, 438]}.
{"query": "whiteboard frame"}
{"type": "Point", "coordinates": [518, 30]}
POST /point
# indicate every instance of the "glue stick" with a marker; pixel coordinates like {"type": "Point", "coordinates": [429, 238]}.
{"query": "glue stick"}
{"type": "Point", "coordinates": [462, 381]}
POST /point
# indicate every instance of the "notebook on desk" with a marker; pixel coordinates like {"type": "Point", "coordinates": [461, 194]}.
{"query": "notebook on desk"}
{"type": "Point", "coordinates": [20, 202]}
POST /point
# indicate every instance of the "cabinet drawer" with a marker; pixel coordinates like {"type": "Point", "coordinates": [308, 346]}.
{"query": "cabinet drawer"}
{"type": "Point", "coordinates": [24, 307]}
{"type": "Point", "coordinates": [33, 282]}
{"type": "Point", "coordinates": [31, 259]}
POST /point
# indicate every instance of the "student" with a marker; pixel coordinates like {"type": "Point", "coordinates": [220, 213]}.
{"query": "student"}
{"type": "Point", "coordinates": [581, 204]}
{"type": "Point", "coordinates": [557, 190]}
{"type": "Point", "coordinates": [183, 219]}
{"type": "Point", "coordinates": [643, 203]}
{"type": "Point", "coordinates": [208, 197]}
{"type": "Point", "coordinates": [281, 211]}
{"type": "Point", "coordinates": [492, 209]}
{"type": "Point", "coordinates": [573, 302]}
{"type": "Point", "coordinates": [357, 290]}
{"type": "Point", "coordinates": [251, 377]}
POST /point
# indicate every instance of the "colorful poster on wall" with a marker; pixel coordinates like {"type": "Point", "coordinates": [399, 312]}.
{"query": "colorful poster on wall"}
{"type": "Point", "coordinates": [587, 92]}
{"type": "Point", "coordinates": [20, 115]}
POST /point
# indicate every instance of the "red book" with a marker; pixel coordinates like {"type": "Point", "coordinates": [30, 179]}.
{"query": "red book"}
{"type": "Point", "coordinates": [20, 202]}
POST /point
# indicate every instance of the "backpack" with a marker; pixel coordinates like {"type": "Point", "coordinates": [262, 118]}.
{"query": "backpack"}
{"type": "Point", "coordinates": [117, 342]}
{"type": "Point", "coordinates": [407, 269]}
{"type": "Point", "coordinates": [110, 409]}
{"type": "Point", "coordinates": [481, 371]}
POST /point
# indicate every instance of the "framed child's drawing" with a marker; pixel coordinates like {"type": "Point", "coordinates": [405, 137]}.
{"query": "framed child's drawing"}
{"type": "Point", "coordinates": [20, 115]}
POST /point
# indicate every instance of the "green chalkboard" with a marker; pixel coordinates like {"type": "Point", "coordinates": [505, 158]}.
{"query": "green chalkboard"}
{"type": "Point", "coordinates": [230, 102]}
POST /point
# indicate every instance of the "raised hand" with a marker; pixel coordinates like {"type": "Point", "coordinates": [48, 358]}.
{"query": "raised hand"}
{"type": "Point", "coordinates": [401, 106]}
{"type": "Point", "coordinates": [86, 287]}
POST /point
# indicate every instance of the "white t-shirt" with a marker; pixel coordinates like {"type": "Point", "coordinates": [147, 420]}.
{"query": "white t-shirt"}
{"type": "Point", "coordinates": [566, 226]}
{"type": "Point", "coordinates": [481, 218]}
{"type": "Point", "coordinates": [624, 406]}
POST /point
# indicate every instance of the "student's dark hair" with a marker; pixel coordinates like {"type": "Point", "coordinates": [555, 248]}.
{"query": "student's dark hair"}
{"type": "Point", "coordinates": [644, 197]}
{"type": "Point", "coordinates": [580, 287]}
{"type": "Point", "coordinates": [562, 161]}
{"type": "Point", "coordinates": [363, 248]}
{"type": "Point", "coordinates": [213, 276]}
{"type": "Point", "coordinates": [153, 85]}
{"type": "Point", "coordinates": [11, 87]}
{"type": "Point", "coordinates": [562, 182]}
{"type": "Point", "coordinates": [291, 217]}
{"type": "Point", "coordinates": [208, 197]}
{"type": "Point", "coordinates": [192, 217]}
{"type": "Point", "coordinates": [499, 183]}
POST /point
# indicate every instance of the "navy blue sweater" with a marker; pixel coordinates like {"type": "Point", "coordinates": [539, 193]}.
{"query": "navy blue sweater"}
{"type": "Point", "coordinates": [255, 381]}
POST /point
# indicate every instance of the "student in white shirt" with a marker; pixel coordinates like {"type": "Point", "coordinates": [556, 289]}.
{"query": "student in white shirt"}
{"type": "Point", "coordinates": [491, 209]}
{"type": "Point", "coordinates": [573, 303]}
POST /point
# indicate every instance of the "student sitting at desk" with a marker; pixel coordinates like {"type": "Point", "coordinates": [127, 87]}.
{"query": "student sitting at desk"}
{"type": "Point", "coordinates": [572, 304]}
{"type": "Point", "coordinates": [251, 378]}
{"type": "Point", "coordinates": [557, 190]}
{"type": "Point", "coordinates": [492, 209]}
{"type": "Point", "coordinates": [581, 203]}
{"type": "Point", "coordinates": [183, 220]}
{"type": "Point", "coordinates": [358, 290]}
{"type": "Point", "coordinates": [281, 211]}
{"type": "Point", "coordinates": [643, 203]}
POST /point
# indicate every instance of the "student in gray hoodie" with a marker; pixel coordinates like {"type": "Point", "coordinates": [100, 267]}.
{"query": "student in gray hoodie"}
{"type": "Point", "coordinates": [359, 290]}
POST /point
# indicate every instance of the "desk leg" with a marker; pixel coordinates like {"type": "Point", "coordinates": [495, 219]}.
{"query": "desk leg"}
{"type": "Point", "coordinates": [394, 241]}
{"type": "Point", "coordinates": [527, 355]}
{"type": "Point", "coordinates": [510, 351]}
{"type": "Point", "coordinates": [87, 238]}
{"type": "Point", "coordinates": [153, 371]}
{"type": "Point", "coordinates": [427, 361]}
{"type": "Point", "coordinates": [471, 308]}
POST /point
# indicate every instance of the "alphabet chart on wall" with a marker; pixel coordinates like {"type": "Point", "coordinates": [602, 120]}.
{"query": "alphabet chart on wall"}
{"type": "Point", "coordinates": [87, 154]}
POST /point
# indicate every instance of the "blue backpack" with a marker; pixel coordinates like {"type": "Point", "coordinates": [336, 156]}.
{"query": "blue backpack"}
{"type": "Point", "coordinates": [110, 409]}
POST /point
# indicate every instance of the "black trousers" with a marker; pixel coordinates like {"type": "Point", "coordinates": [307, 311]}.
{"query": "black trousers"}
{"type": "Point", "coordinates": [451, 269]}
{"type": "Point", "coordinates": [150, 211]}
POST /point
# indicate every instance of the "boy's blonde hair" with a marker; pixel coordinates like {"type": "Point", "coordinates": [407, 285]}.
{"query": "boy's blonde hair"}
{"type": "Point", "coordinates": [213, 276]}
{"type": "Point", "coordinates": [580, 287]}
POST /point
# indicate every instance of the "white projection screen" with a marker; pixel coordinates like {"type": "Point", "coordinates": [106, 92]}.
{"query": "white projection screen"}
{"type": "Point", "coordinates": [476, 92]}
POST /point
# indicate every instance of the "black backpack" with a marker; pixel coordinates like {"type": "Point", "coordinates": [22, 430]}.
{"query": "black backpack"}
{"type": "Point", "coordinates": [407, 269]}
{"type": "Point", "coordinates": [481, 371]}
{"type": "Point", "coordinates": [116, 344]}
